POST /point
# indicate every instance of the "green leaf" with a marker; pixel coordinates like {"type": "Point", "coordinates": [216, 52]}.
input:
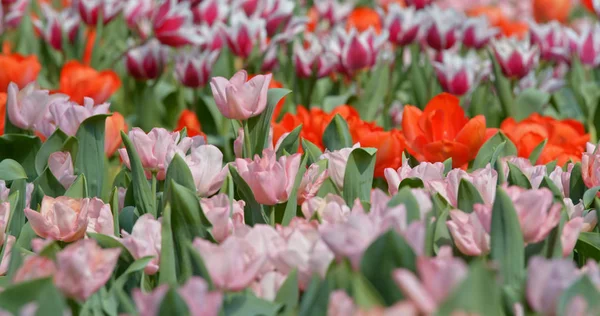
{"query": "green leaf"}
{"type": "Point", "coordinates": [503, 89]}
{"type": "Point", "coordinates": [418, 82]}
{"type": "Point", "coordinates": [589, 196]}
{"type": "Point", "coordinates": [337, 134]}
{"type": "Point", "coordinates": [173, 304]}
{"type": "Point", "coordinates": [468, 195]}
{"type": "Point", "coordinates": [198, 265]}
{"type": "Point", "coordinates": [167, 273]}
{"type": "Point", "coordinates": [13, 298]}
{"type": "Point", "coordinates": [441, 236]}
{"type": "Point", "coordinates": [530, 101]}
{"type": "Point", "coordinates": [48, 183]}
{"type": "Point", "coordinates": [548, 183]}
{"type": "Point", "coordinates": [90, 156]}
{"type": "Point", "coordinates": [315, 298]}
{"type": "Point", "coordinates": [358, 178]}
{"type": "Point", "coordinates": [405, 196]}
{"type": "Point", "coordinates": [11, 170]}
{"type": "Point", "coordinates": [507, 246]}
{"type": "Point", "coordinates": [291, 142]}
{"type": "Point", "coordinates": [365, 295]}
{"type": "Point", "coordinates": [577, 186]}
{"type": "Point", "coordinates": [289, 293]}
{"type": "Point", "coordinates": [312, 151]}
{"type": "Point", "coordinates": [242, 304]}
{"type": "Point", "coordinates": [376, 89]}
{"type": "Point", "coordinates": [17, 218]}
{"type": "Point", "coordinates": [583, 288]}
{"type": "Point", "coordinates": [387, 253]}
{"type": "Point", "coordinates": [21, 148]}
{"type": "Point", "coordinates": [260, 125]}
{"type": "Point", "coordinates": [106, 241]}
{"type": "Point", "coordinates": [516, 177]}
{"type": "Point", "coordinates": [292, 203]}
{"type": "Point", "coordinates": [142, 191]}
{"type": "Point", "coordinates": [179, 172]}
{"type": "Point", "coordinates": [413, 183]}
{"type": "Point", "coordinates": [535, 154]}
{"type": "Point", "coordinates": [588, 245]}
{"type": "Point", "coordinates": [253, 212]}
{"type": "Point", "coordinates": [496, 147]}
{"type": "Point", "coordinates": [53, 144]}
{"type": "Point", "coordinates": [114, 208]}
{"type": "Point", "coordinates": [78, 189]}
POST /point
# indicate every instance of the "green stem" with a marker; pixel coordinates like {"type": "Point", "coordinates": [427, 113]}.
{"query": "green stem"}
{"type": "Point", "coordinates": [154, 193]}
{"type": "Point", "coordinates": [247, 145]}
{"type": "Point", "coordinates": [272, 215]}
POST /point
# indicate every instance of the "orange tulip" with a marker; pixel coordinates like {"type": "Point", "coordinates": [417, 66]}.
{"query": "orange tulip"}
{"type": "Point", "coordinates": [364, 18]}
{"type": "Point", "coordinates": [79, 81]}
{"type": "Point", "coordinates": [514, 28]}
{"type": "Point", "coordinates": [113, 127]}
{"type": "Point", "coordinates": [566, 138]}
{"type": "Point", "coordinates": [2, 112]}
{"type": "Point", "coordinates": [589, 4]}
{"type": "Point", "coordinates": [89, 46]}
{"type": "Point", "coordinates": [189, 120]}
{"type": "Point", "coordinates": [18, 69]}
{"type": "Point", "coordinates": [389, 144]}
{"type": "Point", "coordinates": [548, 10]}
{"type": "Point", "coordinates": [443, 131]}
{"type": "Point", "coordinates": [313, 19]}
{"type": "Point", "coordinates": [494, 14]}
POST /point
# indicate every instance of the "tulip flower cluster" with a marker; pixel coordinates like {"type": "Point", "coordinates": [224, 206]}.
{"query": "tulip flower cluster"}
{"type": "Point", "coordinates": [279, 157]}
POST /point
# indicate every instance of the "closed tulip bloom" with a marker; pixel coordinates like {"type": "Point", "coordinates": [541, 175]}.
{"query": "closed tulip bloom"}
{"type": "Point", "coordinates": [552, 41]}
{"type": "Point", "coordinates": [28, 106]}
{"type": "Point", "coordinates": [4, 216]}
{"type": "Point", "coordinates": [147, 61]}
{"type": "Point", "coordinates": [443, 131]}
{"type": "Point", "coordinates": [145, 240]}
{"type": "Point", "coordinates": [83, 268]}
{"type": "Point", "coordinates": [311, 183]}
{"type": "Point", "coordinates": [477, 32]}
{"type": "Point", "coordinates": [337, 164]}
{"type": "Point", "coordinates": [590, 218]}
{"type": "Point", "coordinates": [425, 171]}
{"type": "Point", "coordinates": [193, 68]}
{"type": "Point", "coordinates": [19, 69]}
{"type": "Point", "coordinates": [14, 13]}
{"type": "Point", "coordinates": [469, 231]}
{"type": "Point", "coordinates": [240, 98]}
{"type": "Point", "coordinates": [232, 265]}
{"type": "Point", "coordinates": [210, 11]}
{"type": "Point", "coordinates": [586, 44]}
{"type": "Point", "coordinates": [330, 209]}
{"type": "Point", "coordinates": [61, 166]}
{"type": "Point", "coordinates": [62, 218]}
{"type": "Point", "coordinates": [55, 24]}
{"type": "Point", "coordinates": [357, 50]}
{"type": "Point", "coordinates": [173, 24]}
{"type": "Point", "coordinates": [223, 215]}
{"type": "Point", "coordinates": [271, 180]}
{"type": "Point", "coordinates": [268, 285]}
{"type": "Point", "coordinates": [403, 24]}
{"type": "Point", "coordinates": [314, 60]}
{"type": "Point", "coordinates": [333, 11]}
{"type": "Point", "coordinates": [205, 163]}
{"type": "Point", "coordinates": [113, 127]}
{"type": "Point", "coordinates": [245, 33]}
{"type": "Point", "coordinates": [79, 81]}
{"type": "Point", "coordinates": [137, 11]}
{"type": "Point", "coordinates": [100, 217]}
{"type": "Point", "coordinates": [90, 10]}
{"type": "Point", "coordinates": [277, 13]}
{"type": "Point", "coordinates": [443, 28]}
{"type": "Point", "coordinates": [68, 115]}
{"type": "Point", "coordinates": [547, 279]}
{"type": "Point", "coordinates": [516, 57]}
{"type": "Point", "coordinates": [35, 267]}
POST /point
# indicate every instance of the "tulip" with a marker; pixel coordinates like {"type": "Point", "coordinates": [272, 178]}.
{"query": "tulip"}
{"type": "Point", "coordinates": [537, 212]}
{"type": "Point", "coordinates": [425, 171]}
{"type": "Point", "coordinates": [337, 164]}
{"type": "Point", "coordinates": [60, 218]}
{"type": "Point", "coordinates": [477, 32]}
{"type": "Point", "coordinates": [314, 61]}
{"type": "Point", "coordinates": [271, 180]}
{"type": "Point", "coordinates": [569, 235]}
{"type": "Point", "coordinates": [147, 61]}
{"type": "Point", "coordinates": [240, 98]}
{"type": "Point", "coordinates": [333, 11]}
{"type": "Point", "coordinates": [80, 81]}
{"type": "Point", "coordinates": [28, 106]}
{"type": "Point", "coordinates": [223, 214]}
{"type": "Point", "coordinates": [154, 149]}
{"type": "Point", "coordinates": [265, 242]}
{"type": "Point", "coordinates": [210, 12]}
{"type": "Point", "coordinates": [443, 28]}
{"type": "Point", "coordinates": [485, 181]}
{"type": "Point", "coordinates": [330, 209]}
{"type": "Point", "coordinates": [552, 41]}
{"type": "Point", "coordinates": [213, 37]}
{"type": "Point", "coordinates": [418, 4]}
{"type": "Point", "coordinates": [189, 121]}
{"type": "Point", "coordinates": [68, 116]}
{"type": "Point", "coordinates": [35, 267]}
{"type": "Point", "coordinates": [113, 127]}
{"type": "Point", "coordinates": [7, 252]}
{"type": "Point", "coordinates": [458, 137]}
{"type": "Point", "coordinates": [547, 279]}
{"type": "Point", "coordinates": [268, 285]}
{"type": "Point", "coordinates": [136, 11]}
{"type": "Point", "coordinates": [4, 216]}
{"type": "Point", "coordinates": [232, 265]}
{"type": "Point", "coordinates": [248, 6]}
{"type": "Point", "coordinates": [91, 10]}
{"type": "Point", "coordinates": [14, 13]}
{"type": "Point", "coordinates": [590, 219]}
{"type": "Point", "coordinates": [173, 24]}
{"type": "Point", "coordinates": [277, 14]}
{"type": "Point", "coordinates": [61, 166]}
{"type": "Point", "coordinates": [83, 268]}
{"type": "Point", "coordinates": [562, 179]}
{"type": "Point", "coordinates": [244, 34]}
{"type": "Point", "coordinates": [535, 174]}
{"type": "Point", "coordinates": [148, 304]}
{"type": "Point", "coordinates": [100, 217]}
{"type": "Point", "coordinates": [557, 10]}
{"type": "Point", "coordinates": [145, 240]}
{"type": "Point", "coordinates": [458, 75]}
{"type": "Point", "coordinates": [56, 24]}
{"type": "Point", "coordinates": [439, 277]}
{"type": "Point", "coordinates": [403, 24]}
{"type": "Point", "coordinates": [311, 183]}
{"type": "Point", "coordinates": [516, 58]}
{"type": "Point", "coordinates": [470, 231]}
{"type": "Point", "coordinates": [357, 50]}
{"type": "Point", "coordinates": [341, 304]}
{"type": "Point", "coordinates": [193, 68]}
{"type": "Point", "coordinates": [586, 44]}
{"type": "Point", "coordinates": [18, 69]}
{"type": "Point", "coordinates": [205, 163]}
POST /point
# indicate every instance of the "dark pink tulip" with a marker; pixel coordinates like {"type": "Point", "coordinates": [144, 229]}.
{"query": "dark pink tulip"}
{"type": "Point", "coordinates": [516, 58]}
{"type": "Point", "coordinates": [173, 24]}
{"type": "Point", "coordinates": [552, 41]}
{"type": "Point", "coordinates": [147, 61]}
{"type": "Point", "coordinates": [457, 74]}
{"type": "Point", "coordinates": [477, 32]}
{"type": "Point", "coordinates": [333, 11]}
{"type": "Point", "coordinates": [193, 69]}
{"type": "Point", "coordinates": [55, 24]}
{"type": "Point", "coordinates": [90, 10]}
{"type": "Point", "coordinates": [418, 4]}
{"type": "Point", "coordinates": [357, 50]}
{"type": "Point", "coordinates": [443, 29]}
{"type": "Point", "coordinates": [244, 34]}
{"type": "Point", "coordinates": [314, 60]}
{"type": "Point", "coordinates": [403, 24]}
{"type": "Point", "coordinates": [586, 44]}
{"type": "Point", "coordinates": [210, 12]}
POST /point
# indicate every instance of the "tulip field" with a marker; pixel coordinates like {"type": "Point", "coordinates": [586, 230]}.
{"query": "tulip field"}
{"type": "Point", "coordinates": [299, 157]}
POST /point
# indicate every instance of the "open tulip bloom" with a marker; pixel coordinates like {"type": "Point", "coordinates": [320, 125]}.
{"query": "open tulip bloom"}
{"type": "Point", "coordinates": [271, 157]}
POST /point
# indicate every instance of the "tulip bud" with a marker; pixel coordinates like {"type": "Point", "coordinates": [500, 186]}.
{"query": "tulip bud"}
{"type": "Point", "coordinates": [477, 32]}
{"type": "Point", "coordinates": [135, 11]}
{"type": "Point", "coordinates": [210, 12]}
{"type": "Point", "coordinates": [100, 217]}
{"type": "Point", "coordinates": [249, 7]}
{"type": "Point", "coordinates": [238, 98]}
{"type": "Point", "coordinates": [173, 24]}
{"type": "Point", "coordinates": [443, 29]}
{"type": "Point", "coordinates": [14, 13]}
{"type": "Point", "coordinates": [516, 58]}
{"type": "Point", "coordinates": [586, 44]}
{"type": "Point", "coordinates": [357, 50]}
{"type": "Point", "coordinates": [205, 163]}
{"type": "Point", "coordinates": [403, 24]}
{"type": "Point", "coordinates": [213, 37]}
{"type": "Point", "coordinates": [60, 218]}
{"type": "Point", "coordinates": [337, 164]}
{"type": "Point", "coordinates": [418, 4]}
{"type": "Point", "coordinates": [547, 279]}
{"type": "Point", "coordinates": [28, 106]}
{"type": "Point", "coordinates": [35, 267]}
{"type": "Point", "coordinates": [223, 215]}
{"type": "Point", "coordinates": [552, 41]}
{"type": "Point", "coordinates": [193, 68]}
{"type": "Point", "coordinates": [457, 74]}
{"type": "Point", "coordinates": [314, 60]}
{"type": "Point", "coordinates": [7, 252]}
{"type": "Point", "coordinates": [333, 11]}
{"type": "Point", "coordinates": [56, 24]}
{"type": "Point", "coordinates": [147, 61]}
{"type": "Point", "coordinates": [244, 34]}
{"type": "Point", "coordinates": [277, 13]}
{"type": "Point", "coordinates": [90, 10]}
{"type": "Point", "coordinates": [61, 166]}
{"type": "Point", "coordinates": [311, 183]}
{"type": "Point", "coordinates": [145, 240]}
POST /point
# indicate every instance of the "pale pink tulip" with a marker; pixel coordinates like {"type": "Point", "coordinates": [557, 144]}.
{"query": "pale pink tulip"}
{"type": "Point", "coordinates": [271, 180]}
{"type": "Point", "coordinates": [590, 166]}
{"type": "Point", "coordinates": [425, 171]}
{"type": "Point", "coordinates": [4, 216]}
{"type": "Point", "coordinates": [223, 215]}
{"type": "Point", "coordinates": [562, 179]}
{"type": "Point", "coordinates": [232, 265]}
{"type": "Point", "coordinates": [100, 217]}
{"type": "Point", "coordinates": [546, 281]}
{"type": "Point", "coordinates": [535, 174]}
{"type": "Point", "coordinates": [590, 219]}
{"type": "Point", "coordinates": [83, 268]}
{"type": "Point", "coordinates": [148, 304]}
{"type": "Point", "coordinates": [569, 235]}
{"type": "Point", "coordinates": [145, 240]}
{"type": "Point", "coordinates": [4, 191]}
{"type": "Point", "coordinates": [485, 181]}
{"type": "Point", "coordinates": [439, 277]}
{"type": "Point", "coordinates": [61, 166]}
{"type": "Point", "coordinates": [8, 245]}
{"type": "Point", "coordinates": [35, 267]}
{"type": "Point", "coordinates": [68, 115]}
{"type": "Point", "coordinates": [239, 98]}
{"type": "Point", "coordinates": [62, 218]}
{"type": "Point", "coordinates": [311, 183]}
{"type": "Point", "coordinates": [337, 164]}
{"type": "Point", "coordinates": [268, 285]}
{"type": "Point", "coordinates": [28, 106]}
{"type": "Point", "coordinates": [469, 230]}
{"type": "Point", "coordinates": [199, 299]}
{"type": "Point", "coordinates": [265, 243]}
{"type": "Point", "coordinates": [331, 209]}
{"type": "Point", "coordinates": [537, 212]}
{"type": "Point", "coordinates": [205, 163]}
{"type": "Point", "coordinates": [340, 304]}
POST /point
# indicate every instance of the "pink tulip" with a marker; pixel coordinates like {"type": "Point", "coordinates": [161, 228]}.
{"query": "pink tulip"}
{"type": "Point", "coordinates": [83, 268]}
{"type": "Point", "coordinates": [265, 243]}
{"type": "Point", "coordinates": [547, 280]}
{"type": "Point", "coordinates": [562, 179]}
{"type": "Point", "coordinates": [100, 217]}
{"type": "Point", "coordinates": [311, 183]}
{"type": "Point", "coordinates": [210, 12]}
{"type": "Point", "coordinates": [27, 107]}
{"type": "Point", "coordinates": [56, 24]}
{"type": "Point", "coordinates": [425, 171]}
{"type": "Point", "coordinates": [173, 24]}
{"type": "Point", "coordinates": [477, 32]}
{"type": "Point", "coordinates": [569, 235]}
{"type": "Point", "coordinates": [535, 174]}
{"type": "Point", "coordinates": [90, 10]}
{"type": "Point", "coordinates": [333, 11]}
{"type": "Point", "coordinates": [61, 218]}
{"type": "Point", "coordinates": [552, 41]}
{"type": "Point", "coordinates": [337, 164]}
{"type": "Point", "coordinates": [205, 163]}
{"type": "Point", "coordinates": [277, 13]}
{"type": "Point", "coordinates": [314, 60]}
{"type": "Point", "coordinates": [154, 149]}
{"type": "Point", "coordinates": [222, 215]}
{"type": "Point", "coordinates": [419, 4]}
{"type": "Point", "coordinates": [590, 219]}
{"type": "Point", "coordinates": [268, 285]}
{"type": "Point", "coordinates": [439, 277]}
{"type": "Point", "coordinates": [331, 209]}
{"type": "Point", "coordinates": [443, 29]}
{"type": "Point", "coordinates": [590, 167]}
{"type": "Point", "coordinates": [61, 166]}
{"type": "Point", "coordinates": [403, 24]}
{"type": "Point", "coordinates": [148, 304]}
{"type": "Point", "coordinates": [271, 180]}
{"type": "Point", "coordinates": [240, 98]}
{"type": "Point", "coordinates": [470, 232]}
{"type": "Point", "coordinates": [248, 6]}
{"type": "Point", "coordinates": [136, 11]}
{"type": "Point", "coordinates": [193, 69]}
{"type": "Point", "coordinates": [14, 13]}
{"type": "Point", "coordinates": [516, 58]}
{"type": "Point", "coordinates": [145, 240]}
{"type": "Point", "coordinates": [484, 180]}
{"type": "Point", "coordinates": [35, 267]}
{"type": "Point", "coordinates": [586, 44]}
{"type": "Point", "coordinates": [68, 115]}
{"type": "Point", "coordinates": [537, 212]}
{"type": "Point", "coordinates": [8, 246]}
{"type": "Point", "coordinates": [357, 50]}
{"type": "Point", "coordinates": [213, 37]}
{"type": "Point", "coordinates": [232, 265]}
{"type": "Point", "coordinates": [4, 216]}
{"type": "Point", "coordinates": [245, 33]}
{"type": "Point", "coordinates": [459, 75]}
{"type": "Point", "coordinates": [147, 61]}
{"type": "Point", "coordinates": [4, 191]}
{"type": "Point", "coordinates": [340, 304]}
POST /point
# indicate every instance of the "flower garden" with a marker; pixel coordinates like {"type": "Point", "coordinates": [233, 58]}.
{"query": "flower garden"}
{"type": "Point", "coordinates": [283, 157]}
